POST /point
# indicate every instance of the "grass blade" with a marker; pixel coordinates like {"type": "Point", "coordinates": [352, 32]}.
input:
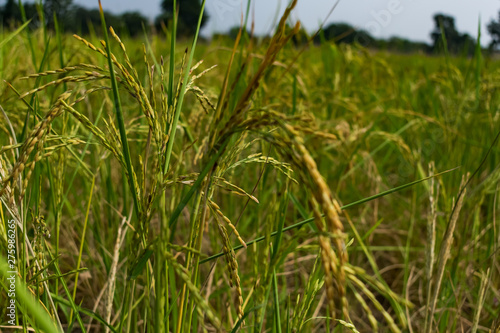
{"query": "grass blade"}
{"type": "Point", "coordinates": [182, 92]}
{"type": "Point", "coordinates": [14, 34]}
{"type": "Point", "coordinates": [29, 305]}
{"type": "Point", "coordinates": [119, 118]}
{"type": "Point", "coordinates": [301, 223]}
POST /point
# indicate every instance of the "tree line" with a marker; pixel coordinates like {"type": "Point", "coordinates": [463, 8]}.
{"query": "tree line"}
{"type": "Point", "coordinates": [82, 20]}
{"type": "Point", "coordinates": [78, 19]}
{"type": "Point", "coordinates": [70, 17]}
{"type": "Point", "coordinates": [444, 36]}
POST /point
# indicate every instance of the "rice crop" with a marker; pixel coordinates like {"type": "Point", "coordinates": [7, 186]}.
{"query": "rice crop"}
{"type": "Point", "coordinates": [178, 185]}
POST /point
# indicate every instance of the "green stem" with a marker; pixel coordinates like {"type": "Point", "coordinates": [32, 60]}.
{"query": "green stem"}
{"type": "Point", "coordinates": [119, 117]}
{"type": "Point", "coordinates": [182, 92]}
{"type": "Point", "coordinates": [301, 223]}
{"type": "Point", "coordinates": [170, 90]}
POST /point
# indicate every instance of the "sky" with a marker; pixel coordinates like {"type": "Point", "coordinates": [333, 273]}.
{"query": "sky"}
{"type": "Point", "coordinates": [410, 19]}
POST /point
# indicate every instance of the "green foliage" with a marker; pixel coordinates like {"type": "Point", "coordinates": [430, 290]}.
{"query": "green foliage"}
{"type": "Point", "coordinates": [403, 45]}
{"type": "Point", "coordinates": [188, 11]}
{"type": "Point", "coordinates": [73, 18]}
{"type": "Point", "coordinates": [146, 171]}
{"type": "Point", "coordinates": [82, 20]}
{"type": "Point", "coordinates": [11, 14]}
{"type": "Point", "coordinates": [446, 32]}
{"type": "Point", "coordinates": [346, 33]}
{"type": "Point", "coordinates": [133, 23]}
{"type": "Point", "coordinates": [234, 31]}
{"type": "Point", "coordinates": [59, 8]}
{"type": "Point", "coordinates": [494, 31]}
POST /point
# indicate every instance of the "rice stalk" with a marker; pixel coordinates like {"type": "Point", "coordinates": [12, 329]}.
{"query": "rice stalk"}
{"type": "Point", "coordinates": [202, 306]}
{"type": "Point", "coordinates": [216, 209]}
{"type": "Point", "coordinates": [368, 312]}
{"type": "Point", "coordinates": [111, 283]}
{"type": "Point", "coordinates": [230, 256]}
{"type": "Point", "coordinates": [444, 252]}
{"type": "Point", "coordinates": [390, 321]}
{"type": "Point", "coordinates": [485, 280]}
{"type": "Point", "coordinates": [33, 142]}
{"type": "Point", "coordinates": [304, 303]}
{"type": "Point", "coordinates": [323, 196]}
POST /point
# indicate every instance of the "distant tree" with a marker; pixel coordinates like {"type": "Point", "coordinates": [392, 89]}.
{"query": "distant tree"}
{"type": "Point", "coordinates": [456, 42]}
{"type": "Point", "coordinates": [404, 45]}
{"type": "Point", "coordinates": [340, 32]}
{"type": "Point", "coordinates": [73, 18]}
{"type": "Point", "coordinates": [299, 38]}
{"type": "Point", "coordinates": [444, 24]}
{"type": "Point", "coordinates": [189, 12]}
{"type": "Point", "coordinates": [133, 22]}
{"type": "Point", "coordinates": [10, 12]}
{"type": "Point", "coordinates": [467, 44]}
{"type": "Point", "coordinates": [31, 11]}
{"type": "Point", "coordinates": [233, 32]}
{"type": "Point", "coordinates": [59, 8]}
{"type": "Point", "coordinates": [494, 31]}
{"type": "Point", "coordinates": [83, 20]}
{"type": "Point", "coordinates": [344, 33]}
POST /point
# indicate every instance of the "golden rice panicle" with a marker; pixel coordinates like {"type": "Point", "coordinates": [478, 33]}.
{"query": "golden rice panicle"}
{"type": "Point", "coordinates": [330, 207]}
{"type": "Point", "coordinates": [87, 76]}
{"type": "Point", "coordinates": [329, 260]}
{"type": "Point", "coordinates": [37, 158]}
{"type": "Point", "coordinates": [234, 189]}
{"type": "Point", "coordinates": [202, 306]}
{"type": "Point", "coordinates": [90, 45]}
{"type": "Point", "coordinates": [362, 286]}
{"type": "Point", "coordinates": [50, 72]}
{"type": "Point", "coordinates": [278, 41]}
{"type": "Point", "coordinates": [139, 92]}
{"type": "Point", "coordinates": [164, 103]}
{"type": "Point", "coordinates": [221, 215]}
{"type": "Point", "coordinates": [8, 191]}
{"type": "Point", "coordinates": [232, 264]}
{"type": "Point", "coordinates": [32, 142]}
{"type": "Point", "coordinates": [150, 70]}
{"type": "Point", "coordinates": [122, 46]}
{"type": "Point", "coordinates": [368, 312]}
